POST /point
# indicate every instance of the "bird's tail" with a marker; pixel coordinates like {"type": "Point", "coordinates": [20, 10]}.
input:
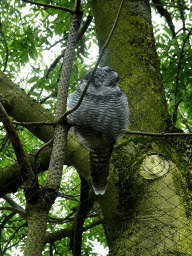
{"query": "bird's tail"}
{"type": "Point", "coordinates": [100, 167]}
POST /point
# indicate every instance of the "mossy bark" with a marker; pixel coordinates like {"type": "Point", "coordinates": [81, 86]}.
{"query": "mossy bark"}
{"type": "Point", "coordinates": [137, 210]}
{"type": "Point", "coordinates": [131, 52]}
{"type": "Point", "coordinates": [143, 208]}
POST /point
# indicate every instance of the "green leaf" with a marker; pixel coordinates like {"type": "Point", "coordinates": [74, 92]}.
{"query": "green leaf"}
{"type": "Point", "coordinates": [33, 79]}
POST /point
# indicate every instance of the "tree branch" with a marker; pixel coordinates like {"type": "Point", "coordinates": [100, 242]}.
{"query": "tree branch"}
{"type": "Point", "coordinates": [67, 232]}
{"type": "Point", "coordinates": [50, 6]}
{"type": "Point", "coordinates": [10, 178]}
{"type": "Point", "coordinates": [6, 219]}
{"type": "Point", "coordinates": [182, 13]}
{"type": "Point", "coordinates": [6, 47]}
{"type": "Point", "coordinates": [11, 202]}
{"type": "Point", "coordinates": [85, 27]}
{"type": "Point", "coordinates": [25, 167]}
{"type": "Point", "coordinates": [33, 123]}
{"type": "Point", "coordinates": [85, 206]}
{"type": "Point", "coordinates": [181, 56]}
{"type": "Point", "coordinates": [162, 134]}
{"type": "Point", "coordinates": [19, 211]}
{"type": "Point", "coordinates": [163, 12]}
{"type": "Point", "coordinates": [11, 238]}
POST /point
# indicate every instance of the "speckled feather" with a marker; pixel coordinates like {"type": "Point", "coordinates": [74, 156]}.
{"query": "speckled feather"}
{"type": "Point", "coordinates": [101, 118]}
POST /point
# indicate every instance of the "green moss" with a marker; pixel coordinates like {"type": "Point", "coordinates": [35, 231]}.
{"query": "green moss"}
{"type": "Point", "coordinates": [131, 52]}
{"type": "Point", "coordinates": [132, 188]}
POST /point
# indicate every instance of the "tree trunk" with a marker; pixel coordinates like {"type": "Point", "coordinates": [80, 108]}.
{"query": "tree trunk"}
{"type": "Point", "coordinates": [37, 212]}
{"type": "Point", "coordinates": [144, 203]}
{"type": "Point", "coordinates": [37, 224]}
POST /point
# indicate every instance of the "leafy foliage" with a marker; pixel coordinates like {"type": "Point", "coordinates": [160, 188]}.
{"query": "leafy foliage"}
{"type": "Point", "coordinates": [175, 57]}
{"type": "Point", "coordinates": [35, 38]}
{"type": "Point", "coordinates": [31, 39]}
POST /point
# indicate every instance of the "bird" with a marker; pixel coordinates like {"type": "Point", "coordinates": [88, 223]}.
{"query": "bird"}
{"type": "Point", "coordinates": [100, 120]}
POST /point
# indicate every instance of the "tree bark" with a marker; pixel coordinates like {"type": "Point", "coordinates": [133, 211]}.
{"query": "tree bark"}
{"type": "Point", "coordinates": [144, 211]}
{"type": "Point", "coordinates": [144, 204]}
{"type": "Point", "coordinates": [37, 224]}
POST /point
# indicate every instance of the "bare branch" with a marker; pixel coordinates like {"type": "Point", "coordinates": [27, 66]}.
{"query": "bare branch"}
{"type": "Point", "coordinates": [182, 54]}
{"type": "Point", "coordinates": [12, 202]}
{"type": "Point", "coordinates": [185, 121]}
{"type": "Point", "coordinates": [127, 132]}
{"type": "Point", "coordinates": [77, 7]}
{"type": "Point", "coordinates": [50, 6]}
{"type": "Point", "coordinates": [56, 42]}
{"type": "Point", "coordinates": [6, 219]}
{"type": "Point", "coordinates": [162, 134]}
{"type": "Point", "coordinates": [41, 148]}
{"type": "Point", "coordinates": [163, 12]}
{"type": "Point", "coordinates": [33, 123]}
{"type": "Point", "coordinates": [182, 13]}
{"type": "Point", "coordinates": [57, 235]}
{"type": "Point", "coordinates": [25, 167]}
{"type": "Point", "coordinates": [84, 207]}
{"type": "Point", "coordinates": [19, 211]}
{"type": "Point", "coordinates": [85, 27]}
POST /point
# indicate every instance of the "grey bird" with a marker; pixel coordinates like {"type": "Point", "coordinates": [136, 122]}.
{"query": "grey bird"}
{"type": "Point", "coordinates": [101, 119]}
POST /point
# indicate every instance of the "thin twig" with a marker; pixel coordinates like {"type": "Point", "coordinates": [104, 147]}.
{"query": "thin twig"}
{"type": "Point", "coordinates": [177, 76]}
{"type": "Point", "coordinates": [162, 134]}
{"type": "Point", "coordinates": [50, 6]}
{"type": "Point", "coordinates": [181, 55]}
{"type": "Point", "coordinates": [184, 120]}
{"type": "Point", "coordinates": [11, 239]}
{"type": "Point", "coordinates": [42, 147]}
{"type": "Point", "coordinates": [33, 123]}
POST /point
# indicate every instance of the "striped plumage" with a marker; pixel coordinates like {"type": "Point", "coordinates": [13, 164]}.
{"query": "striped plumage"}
{"type": "Point", "coordinates": [101, 118]}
